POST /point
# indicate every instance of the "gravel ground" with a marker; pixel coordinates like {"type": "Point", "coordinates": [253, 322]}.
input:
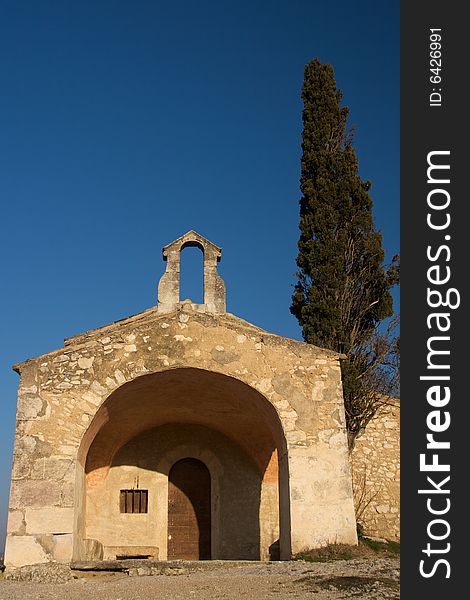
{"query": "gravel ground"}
{"type": "Point", "coordinates": [376, 579]}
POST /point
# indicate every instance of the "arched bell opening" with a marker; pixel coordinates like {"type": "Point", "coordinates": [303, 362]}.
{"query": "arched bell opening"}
{"type": "Point", "coordinates": [192, 273]}
{"type": "Point", "coordinates": [169, 295]}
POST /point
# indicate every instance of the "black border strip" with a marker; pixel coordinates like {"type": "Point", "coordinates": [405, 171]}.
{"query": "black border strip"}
{"type": "Point", "coordinates": [429, 127]}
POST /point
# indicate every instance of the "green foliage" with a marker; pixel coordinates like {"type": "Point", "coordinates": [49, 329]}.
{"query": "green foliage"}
{"type": "Point", "coordinates": [394, 547]}
{"type": "Point", "coordinates": [327, 553]}
{"type": "Point", "coordinates": [388, 547]}
{"type": "Point", "coordinates": [342, 293]}
{"type": "Point", "coordinates": [367, 548]}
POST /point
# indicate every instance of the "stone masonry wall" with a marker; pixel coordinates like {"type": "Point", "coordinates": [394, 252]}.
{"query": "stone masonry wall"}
{"type": "Point", "coordinates": [375, 467]}
{"type": "Point", "coordinates": [61, 392]}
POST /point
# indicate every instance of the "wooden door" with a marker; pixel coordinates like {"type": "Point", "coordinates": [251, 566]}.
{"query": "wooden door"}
{"type": "Point", "coordinates": [189, 511]}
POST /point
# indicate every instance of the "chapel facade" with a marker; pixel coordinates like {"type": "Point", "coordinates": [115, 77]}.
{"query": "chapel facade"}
{"type": "Point", "coordinates": [182, 432]}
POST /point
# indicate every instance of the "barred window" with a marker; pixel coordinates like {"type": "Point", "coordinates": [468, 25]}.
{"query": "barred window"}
{"type": "Point", "coordinates": [133, 501]}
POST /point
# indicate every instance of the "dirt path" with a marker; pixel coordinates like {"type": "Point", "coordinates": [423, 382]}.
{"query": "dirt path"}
{"type": "Point", "coordinates": [376, 579]}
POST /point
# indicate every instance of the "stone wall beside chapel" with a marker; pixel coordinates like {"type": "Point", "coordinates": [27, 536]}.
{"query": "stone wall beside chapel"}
{"type": "Point", "coordinates": [375, 466]}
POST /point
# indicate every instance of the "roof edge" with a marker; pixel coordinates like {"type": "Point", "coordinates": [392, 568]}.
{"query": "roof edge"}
{"type": "Point", "coordinates": [153, 314]}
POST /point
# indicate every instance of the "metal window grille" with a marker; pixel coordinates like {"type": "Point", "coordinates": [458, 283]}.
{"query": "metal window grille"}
{"type": "Point", "coordinates": [133, 501]}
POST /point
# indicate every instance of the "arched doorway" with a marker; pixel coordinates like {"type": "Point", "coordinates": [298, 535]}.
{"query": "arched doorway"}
{"type": "Point", "coordinates": [189, 511]}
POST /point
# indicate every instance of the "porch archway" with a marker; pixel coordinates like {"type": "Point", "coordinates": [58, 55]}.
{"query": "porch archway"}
{"type": "Point", "coordinates": [144, 422]}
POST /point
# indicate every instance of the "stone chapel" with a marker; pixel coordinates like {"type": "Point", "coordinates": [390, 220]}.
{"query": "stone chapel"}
{"type": "Point", "coordinates": [182, 432]}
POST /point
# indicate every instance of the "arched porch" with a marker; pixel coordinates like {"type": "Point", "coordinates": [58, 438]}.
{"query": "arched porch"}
{"type": "Point", "coordinates": [146, 426]}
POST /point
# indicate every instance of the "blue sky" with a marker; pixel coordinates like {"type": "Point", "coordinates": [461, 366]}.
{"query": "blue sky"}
{"type": "Point", "coordinates": [124, 124]}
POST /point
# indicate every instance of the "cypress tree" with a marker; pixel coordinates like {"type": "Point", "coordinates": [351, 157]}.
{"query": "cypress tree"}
{"type": "Point", "coordinates": [342, 292]}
